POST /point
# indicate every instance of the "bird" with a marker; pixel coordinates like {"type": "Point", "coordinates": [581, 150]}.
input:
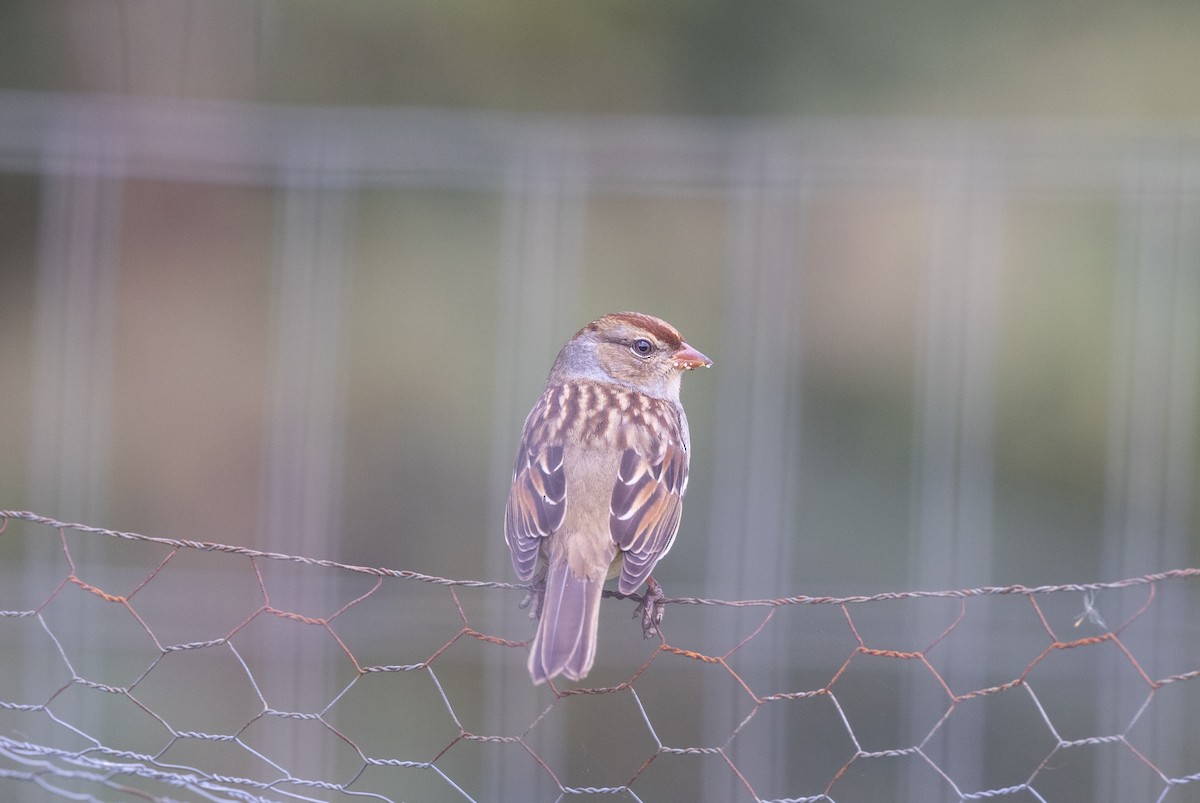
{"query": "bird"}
{"type": "Point", "coordinates": [598, 482]}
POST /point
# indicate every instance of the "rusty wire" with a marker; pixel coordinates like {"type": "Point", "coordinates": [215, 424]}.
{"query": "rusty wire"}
{"type": "Point", "coordinates": [63, 768]}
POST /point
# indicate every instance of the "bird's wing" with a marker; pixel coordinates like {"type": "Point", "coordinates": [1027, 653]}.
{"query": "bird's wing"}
{"type": "Point", "coordinates": [646, 501]}
{"type": "Point", "coordinates": [537, 499]}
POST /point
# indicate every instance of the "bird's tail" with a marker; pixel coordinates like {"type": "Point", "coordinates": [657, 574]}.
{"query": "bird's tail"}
{"type": "Point", "coordinates": [566, 633]}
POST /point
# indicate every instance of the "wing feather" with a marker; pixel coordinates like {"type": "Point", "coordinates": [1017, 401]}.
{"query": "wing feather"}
{"type": "Point", "coordinates": [647, 498]}
{"type": "Point", "coordinates": [537, 498]}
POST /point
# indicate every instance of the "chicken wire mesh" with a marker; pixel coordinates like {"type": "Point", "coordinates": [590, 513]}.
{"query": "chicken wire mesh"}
{"type": "Point", "coordinates": [163, 669]}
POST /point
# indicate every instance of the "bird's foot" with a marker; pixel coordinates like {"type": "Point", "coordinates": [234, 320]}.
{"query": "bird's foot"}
{"type": "Point", "coordinates": [651, 609]}
{"type": "Point", "coordinates": [536, 593]}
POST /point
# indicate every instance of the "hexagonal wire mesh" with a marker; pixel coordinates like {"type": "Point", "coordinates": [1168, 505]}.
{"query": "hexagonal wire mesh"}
{"type": "Point", "coordinates": [110, 685]}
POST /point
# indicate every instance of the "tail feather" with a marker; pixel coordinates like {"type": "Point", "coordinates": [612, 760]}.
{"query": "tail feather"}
{"type": "Point", "coordinates": [566, 633]}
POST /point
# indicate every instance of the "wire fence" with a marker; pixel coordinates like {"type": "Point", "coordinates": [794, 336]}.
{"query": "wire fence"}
{"type": "Point", "coordinates": [984, 342]}
{"type": "Point", "coordinates": [164, 669]}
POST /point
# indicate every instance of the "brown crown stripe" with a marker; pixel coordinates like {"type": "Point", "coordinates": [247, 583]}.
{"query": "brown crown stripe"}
{"type": "Point", "coordinates": [661, 330]}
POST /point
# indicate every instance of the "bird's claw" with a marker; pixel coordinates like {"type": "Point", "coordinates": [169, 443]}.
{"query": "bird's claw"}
{"type": "Point", "coordinates": [536, 594]}
{"type": "Point", "coordinates": [651, 609]}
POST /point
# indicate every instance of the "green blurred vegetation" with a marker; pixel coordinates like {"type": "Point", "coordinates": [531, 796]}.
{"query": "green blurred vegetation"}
{"type": "Point", "coordinates": [937, 57]}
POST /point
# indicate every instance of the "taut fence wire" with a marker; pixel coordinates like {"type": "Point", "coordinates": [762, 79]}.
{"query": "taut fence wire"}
{"type": "Point", "coordinates": [101, 699]}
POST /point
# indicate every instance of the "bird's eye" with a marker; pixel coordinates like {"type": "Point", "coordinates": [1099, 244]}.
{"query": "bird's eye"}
{"type": "Point", "coordinates": [642, 347]}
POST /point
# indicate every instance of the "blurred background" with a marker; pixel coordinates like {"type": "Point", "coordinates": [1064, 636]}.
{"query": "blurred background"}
{"type": "Point", "coordinates": [290, 275]}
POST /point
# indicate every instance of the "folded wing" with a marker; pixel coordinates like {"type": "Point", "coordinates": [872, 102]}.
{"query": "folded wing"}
{"type": "Point", "coordinates": [537, 500]}
{"type": "Point", "coordinates": [646, 504]}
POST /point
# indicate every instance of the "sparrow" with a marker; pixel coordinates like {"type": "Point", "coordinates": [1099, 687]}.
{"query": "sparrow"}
{"type": "Point", "coordinates": [599, 479]}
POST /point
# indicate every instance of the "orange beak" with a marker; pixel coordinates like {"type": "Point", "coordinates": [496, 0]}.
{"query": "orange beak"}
{"type": "Point", "coordinates": [688, 358]}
